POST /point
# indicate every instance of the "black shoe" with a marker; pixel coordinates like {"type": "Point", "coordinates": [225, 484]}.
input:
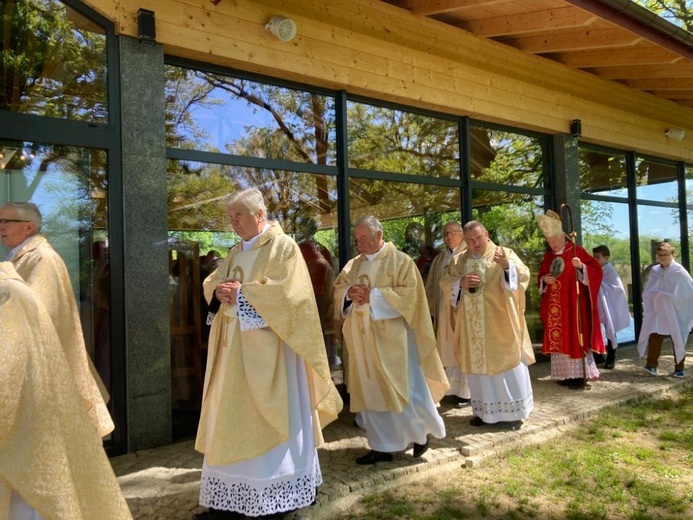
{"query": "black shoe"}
{"type": "Point", "coordinates": [476, 421]}
{"type": "Point", "coordinates": [576, 384]}
{"type": "Point", "coordinates": [609, 365]}
{"type": "Point", "coordinates": [372, 457]}
{"type": "Point", "coordinates": [462, 402]}
{"type": "Point", "coordinates": [564, 382]}
{"type": "Point", "coordinates": [420, 449]}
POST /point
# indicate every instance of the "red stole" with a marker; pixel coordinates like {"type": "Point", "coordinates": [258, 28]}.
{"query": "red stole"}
{"type": "Point", "coordinates": [559, 306]}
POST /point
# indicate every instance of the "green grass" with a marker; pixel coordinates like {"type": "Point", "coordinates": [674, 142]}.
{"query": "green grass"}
{"type": "Point", "coordinates": [630, 462]}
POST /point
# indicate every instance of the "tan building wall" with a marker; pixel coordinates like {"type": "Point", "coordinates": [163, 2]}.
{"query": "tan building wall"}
{"type": "Point", "coordinates": [373, 49]}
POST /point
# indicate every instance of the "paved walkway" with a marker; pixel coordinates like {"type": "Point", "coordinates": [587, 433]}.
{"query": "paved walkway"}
{"type": "Point", "coordinates": [163, 483]}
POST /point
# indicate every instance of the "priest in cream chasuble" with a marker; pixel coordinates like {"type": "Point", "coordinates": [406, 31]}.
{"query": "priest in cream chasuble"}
{"type": "Point", "coordinates": [438, 289]}
{"type": "Point", "coordinates": [492, 343]}
{"type": "Point", "coordinates": [394, 374]}
{"type": "Point", "coordinates": [52, 462]}
{"type": "Point", "coordinates": [267, 391]}
{"type": "Point", "coordinates": [45, 272]}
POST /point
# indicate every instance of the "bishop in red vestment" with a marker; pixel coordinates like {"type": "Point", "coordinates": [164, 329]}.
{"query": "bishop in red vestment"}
{"type": "Point", "coordinates": [571, 321]}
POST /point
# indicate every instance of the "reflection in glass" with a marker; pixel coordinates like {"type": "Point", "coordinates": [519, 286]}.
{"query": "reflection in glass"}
{"type": "Point", "coordinates": [304, 204]}
{"type": "Point", "coordinates": [220, 113]}
{"type": "Point", "coordinates": [689, 201]}
{"type": "Point", "coordinates": [602, 172]}
{"type": "Point", "coordinates": [606, 223]}
{"type": "Point", "coordinates": [510, 219]}
{"type": "Point", "coordinates": [53, 62]}
{"type": "Point", "coordinates": [502, 157]}
{"type": "Point", "coordinates": [385, 139]}
{"type": "Point", "coordinates": [69, 185]}
{"type": "Point", "coordinates": [200, 235]}
{"type": "Point", "coordinates": [412, 215]}
{"type": "Point", "coordinates": [656, 181]}
{"type": "Point", "coordinates": [656, 224]}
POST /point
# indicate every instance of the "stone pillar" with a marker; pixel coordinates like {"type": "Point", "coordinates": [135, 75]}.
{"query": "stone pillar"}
{"type": "Point", "coordinates": [567, 177]}
{"type": "Point", "coordinates": [147, 335]}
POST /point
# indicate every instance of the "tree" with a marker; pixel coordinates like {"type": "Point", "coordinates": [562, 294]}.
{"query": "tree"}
{"type": "Point", "coordinates": [679, 12]}
{"type": "Point", "coordinates": [53, 61]}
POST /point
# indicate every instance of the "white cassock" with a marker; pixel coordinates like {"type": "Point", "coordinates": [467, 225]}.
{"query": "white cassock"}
{"type": "Point", "coordinates": [612, 303]}
{"type": "Point", "coordinates": [667, 307]}
{"type": "Point", "coordinates": [503, 397]}
{"type": "Point", "coordinates": [285, 477]}
{"type": "Point", "coordinates": [390, 431]}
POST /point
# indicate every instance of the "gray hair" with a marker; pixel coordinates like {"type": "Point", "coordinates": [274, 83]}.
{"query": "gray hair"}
{"type": "Point", "coordinates": [27, 211]}
{"type": "Point", "coordinates": [473, 224]}
{"type": "Point", "coordinates": [372, 223]}
{"type": "Point", "coordinates": [451, 223]}
{"type": "Point", "coordinates": [251, 198]}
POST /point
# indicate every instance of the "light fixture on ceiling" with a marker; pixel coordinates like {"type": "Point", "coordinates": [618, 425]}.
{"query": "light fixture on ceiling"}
{"type": "Point", "coordinates": [576, 128]}
{"type": "Point", "coordinates": [674, 133]}
{"type": "Point", "coordinates": [282, 27]}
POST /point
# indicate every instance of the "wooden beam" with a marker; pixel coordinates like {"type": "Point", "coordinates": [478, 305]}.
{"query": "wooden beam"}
{"type": "Point", "coordinates": [660, 83]}
{"type": "Point", "coordinates": [570, 41]}
{"type": "Point", "coordinates": [680, 70]}
{"type": "Point", "coordinates": [615, 57]}
{"type": "Point", "coordinates": [670, 94]}
{"type": "Point", "coordinates": [431, 7]}
{"type": "Point", "coordinates": [561, 18]}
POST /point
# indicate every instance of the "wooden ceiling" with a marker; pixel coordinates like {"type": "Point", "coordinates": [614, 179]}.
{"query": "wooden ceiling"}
{"type": "Point", "coordinates": [615, 39]}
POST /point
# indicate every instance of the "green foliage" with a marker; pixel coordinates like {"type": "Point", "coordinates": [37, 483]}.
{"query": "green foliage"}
{"type": "Point", "coordinates": [679, 12]}
{"type": "Point", "coordinates": [588, 473]}
{"type": "Point", "coordinates": [53, 61]}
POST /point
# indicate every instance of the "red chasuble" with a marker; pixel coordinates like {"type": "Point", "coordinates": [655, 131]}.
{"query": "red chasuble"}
{"type": "Point", "coordinates": [559, 305]}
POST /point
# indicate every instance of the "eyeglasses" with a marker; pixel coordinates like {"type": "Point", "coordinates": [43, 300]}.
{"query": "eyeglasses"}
{"type": "Point", "coordinates": [6, 220]}
{"type": "Point", "coordinates": [451, 233]}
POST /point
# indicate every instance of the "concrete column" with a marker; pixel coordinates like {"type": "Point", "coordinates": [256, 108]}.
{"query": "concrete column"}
{"type": "Point", "coordinates": [147, 337]}
{"type": "Point", "coordinates": [567, 176]}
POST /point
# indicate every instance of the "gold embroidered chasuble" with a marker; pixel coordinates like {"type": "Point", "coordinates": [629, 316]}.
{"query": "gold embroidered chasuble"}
{"type": "Point", "coordinates": [491, 335]}
{"type": "Point", "coordinates": [245, 401]}
{"type": "Point", "coordinates": [49, 452]}
{"type": "Point", "coordinates": [377, 371]}
{"type": "Point", "coordinates": [45, 273]}
{"type": "Point", "coordinates": [438, 288]}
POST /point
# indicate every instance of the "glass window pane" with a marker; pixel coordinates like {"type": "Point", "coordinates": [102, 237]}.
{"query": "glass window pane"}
{"type": "Point", "coordinates": [389, 140]}
{"type": "Point", "coordinates": [220, 113]}
{"type": "Point", "coordinates": [510, 219]}
{"type": "Point", "coordinates": [502, 157]}
{"type": "Point", "coordinates": [656, 224]}
{"type": "Point", "coordinates": [53, 62]}
{"type": "Point", "coordinates": [603, 173]}
{"type": "Point", "coordinates": [306, 207]}
{"type": "Point", "coordinates": [607, 223]}
{"type": "Point", "coordinates": [69, 185]}
{"type": "Point", "coordinates": [412, 215]}
{"type": "Point", "coordinates": [689, 201]}
{"type": "Point", "coordinates": [656, 181]}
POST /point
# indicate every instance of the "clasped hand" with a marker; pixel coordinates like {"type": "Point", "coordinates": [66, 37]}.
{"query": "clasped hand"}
{"type": "Point", "coordinates": [227, 292]}
{"type": "Point", "coordinates": [359, 294]}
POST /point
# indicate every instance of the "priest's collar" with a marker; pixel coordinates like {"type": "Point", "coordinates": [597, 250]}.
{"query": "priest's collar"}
{"type": "Point", "coordinates": [248, 244]}
{"type": "Point", "coordinates": [372, 256]}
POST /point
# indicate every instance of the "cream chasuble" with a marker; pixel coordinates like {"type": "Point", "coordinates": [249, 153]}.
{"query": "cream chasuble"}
{"type": "Point", "coordinates": [245, 407]}
{"type": "Point", "coordinates": [438, 288]}
{"type": "Point", "coordinates": [44, 271]}
{"type": "Point", "coordinates": [491, 336]}
{"type": "Point", "coordinates": [377, 371]}
{"type": "Point", "coordinates": [50, 454]}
